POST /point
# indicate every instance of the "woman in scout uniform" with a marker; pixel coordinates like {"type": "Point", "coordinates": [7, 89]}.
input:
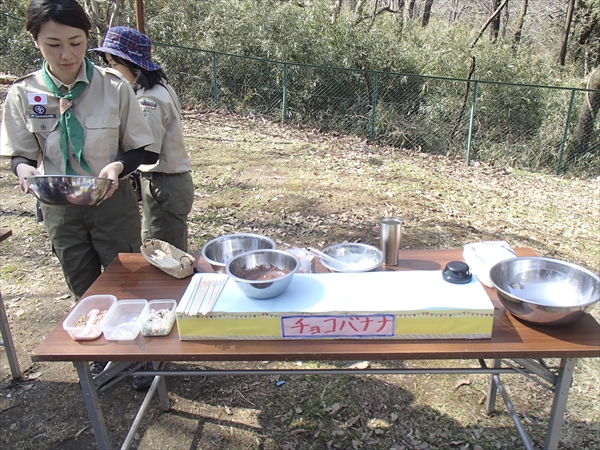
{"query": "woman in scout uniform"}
{"type": "Point", "coordinates": [77, 119]}
{"type": "Point", "coordinates": [167, 187]}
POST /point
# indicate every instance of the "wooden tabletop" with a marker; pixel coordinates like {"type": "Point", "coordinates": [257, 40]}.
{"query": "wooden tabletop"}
{"type": "Point", "coordinates": [5, 233]}
{"type": "Point", "coordinates": [130, 276]}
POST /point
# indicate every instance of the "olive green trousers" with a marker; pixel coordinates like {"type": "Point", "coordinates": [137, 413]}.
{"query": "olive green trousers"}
{"type": "Point", "coordinates": [167, 200]}
{"type": "Point", "coordinates": [87, 238]}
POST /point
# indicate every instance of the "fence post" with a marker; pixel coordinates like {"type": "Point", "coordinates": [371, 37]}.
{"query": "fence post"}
{"type": "Point", "coordinates": [566, 133]}
{"type": "Point", "coordinates": [374, 103]}
{"type": "Point", "coordinates": [284, 98]}
{"type": "Point", "coordinates": [215, 85]}
{"type": "Point", "coordinates": [471, 115]}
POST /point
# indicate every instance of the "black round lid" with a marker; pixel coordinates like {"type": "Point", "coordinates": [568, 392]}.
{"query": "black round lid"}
{"type": "Point", "coordinates": [457, 272]}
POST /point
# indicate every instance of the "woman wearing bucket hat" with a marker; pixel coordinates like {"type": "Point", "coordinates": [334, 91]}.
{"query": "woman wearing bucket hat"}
{"type": "Point", "coordinates": [167, 186]}
{"type": "Point", "coordinates": [77, 119]}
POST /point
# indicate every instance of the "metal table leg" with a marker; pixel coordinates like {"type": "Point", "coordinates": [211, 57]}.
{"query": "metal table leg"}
{"type": "Point", "coordinates": [559, 403]}
{"type": "Point", "coordinates": [559, 383]}
{"type": "Point", "coordinates": [490, 402]}
{"type": "Point", "coordinates": [512, 413]}
{"type": "Point", "coordinates": [158, 384]}
{"type": "Point", "coordinates": [7, 342]}
{"type": "Point", "coordinates": [163, 395]}
{"type": "Point", "coordinates": [92, 404]}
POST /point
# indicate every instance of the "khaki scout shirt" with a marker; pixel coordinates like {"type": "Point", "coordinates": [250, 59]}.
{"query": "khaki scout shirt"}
{"type": "Point", "coordinates": [107, 110]}
{"type": "Point", "coordinates": [161, 107]}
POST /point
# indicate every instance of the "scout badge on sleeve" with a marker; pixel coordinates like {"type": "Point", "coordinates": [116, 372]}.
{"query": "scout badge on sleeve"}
{"type": "Point", "coordinates": [147, 104]}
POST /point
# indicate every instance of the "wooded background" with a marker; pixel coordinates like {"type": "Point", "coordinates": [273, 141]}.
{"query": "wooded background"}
{"type": "Point", "coordinates": [528, 42]}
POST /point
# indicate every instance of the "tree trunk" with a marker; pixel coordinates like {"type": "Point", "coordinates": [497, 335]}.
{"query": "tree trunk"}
{"type": "Point", "coordinates": [410, 10]}
{"type": "Point", "coordinates": [465, 100]}
{"type": "Point", "coordinates": [140, 21]}
{"type": "Point", "coordinates": [521, 21]}
{"type": "Point", "coordinates": [335, 10]}
{"type": "Point", "coordinates": [495, 23]}
{"type": "Point", "coordinates": [452, 11]}
{"type": "Point", "coordinates": [505, 21]}
{"type": "Point", "coordinates": [426, 12]}
{"type": "Point", "coordinates": [579, 142]}
{"type": "Point", "coordinates": [589, 32]}
{"type": "Point", "coordinates": [565, 39]}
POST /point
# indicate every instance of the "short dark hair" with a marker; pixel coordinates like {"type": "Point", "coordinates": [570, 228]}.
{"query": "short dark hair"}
{"type": "Point", "coordinates": [65, 12]}
{"type": "Point", "coordinates": [143, 79]}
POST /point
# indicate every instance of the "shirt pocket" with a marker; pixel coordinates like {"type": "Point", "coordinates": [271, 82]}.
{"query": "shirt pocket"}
{"type": "Point", "coordinates": [101, 140]}
{"type": "Point", "coordinates": [42, 125]}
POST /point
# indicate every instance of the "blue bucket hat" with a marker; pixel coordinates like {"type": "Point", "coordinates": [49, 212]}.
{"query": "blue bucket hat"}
{"type": "Point", "coordinates": [129, 44]}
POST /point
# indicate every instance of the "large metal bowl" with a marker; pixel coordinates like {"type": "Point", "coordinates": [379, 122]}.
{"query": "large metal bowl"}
{"type": "Point", "coordinates": [263, 274]}
{"type": "Point", "coordinates": [219, 251]}
{"type": "Point", "coordinates": [544, 290]}
{"type": "Point", "coordinates": [361, 257]}
{"type": "Point", "coordinates": [69, 190]}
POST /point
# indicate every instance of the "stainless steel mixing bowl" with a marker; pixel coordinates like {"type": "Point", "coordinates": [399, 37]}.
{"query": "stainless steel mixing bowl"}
{"type": "Point", "coordinates": [362, 257]}
{"type": "Point", "coordinates": [544, 290]}
{"type": "Point", "coordinates": [69, 190]}
{"type": "Point", "coordinates": [219, 251]}
{"type": "Point", "coordinates": [278, 266]}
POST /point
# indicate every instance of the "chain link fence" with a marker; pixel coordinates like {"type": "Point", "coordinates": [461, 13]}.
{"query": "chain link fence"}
{"type": "Point", "coordinates": [503, 124]}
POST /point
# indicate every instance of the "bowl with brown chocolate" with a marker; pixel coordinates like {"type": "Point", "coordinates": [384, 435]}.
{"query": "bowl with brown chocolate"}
{"type": "Point", "coordinates": [263, 274]}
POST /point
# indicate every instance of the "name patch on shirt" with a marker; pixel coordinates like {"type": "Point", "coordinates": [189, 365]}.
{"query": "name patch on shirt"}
{"type": "Point", "coordinates": [148, 105]}
{"type": "Point", "coordinates": [37, 99]}
{"type": "Point", "coordinates": [42, 116]}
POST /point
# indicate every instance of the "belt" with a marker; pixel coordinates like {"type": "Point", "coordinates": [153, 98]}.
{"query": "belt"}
{"type": "Point", "coordinates": [150, 175]}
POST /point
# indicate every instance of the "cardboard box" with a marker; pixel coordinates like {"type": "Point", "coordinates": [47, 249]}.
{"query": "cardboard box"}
{"type": "Point", "coordinates": [373, 305]}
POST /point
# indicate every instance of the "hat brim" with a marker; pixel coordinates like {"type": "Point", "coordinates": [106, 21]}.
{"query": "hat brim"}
{"type": "Point", "coordinates": [148, 65]}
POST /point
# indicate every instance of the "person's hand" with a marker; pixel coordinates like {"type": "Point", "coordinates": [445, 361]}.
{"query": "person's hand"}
{"type": "Point", "coordinates": [112, 172]}
{"type": "Point", "coordinates": [24, 171]}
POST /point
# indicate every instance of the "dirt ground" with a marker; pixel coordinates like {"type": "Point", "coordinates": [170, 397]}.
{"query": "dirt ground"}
{"type": "Point", "coordinates": [306, 187]}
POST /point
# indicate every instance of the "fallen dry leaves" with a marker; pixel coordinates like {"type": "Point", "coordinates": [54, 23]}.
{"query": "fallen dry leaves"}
{"type": "Point", "coordinates": [309, 188]}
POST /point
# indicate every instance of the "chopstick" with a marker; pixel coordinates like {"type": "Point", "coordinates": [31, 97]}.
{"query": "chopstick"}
{"type": "Point", "coordinates": [217, 285]}
{"type": "Point", "coordinates": [188, 300]}
{"type": "Point", "coordinates": [202, 294]}
{"type": "Point", "coordinates": [161, 259]}
{"type": "Point", "coordinates": [199, 298]}
{"type": "Point", "coordinates": [207, 297]}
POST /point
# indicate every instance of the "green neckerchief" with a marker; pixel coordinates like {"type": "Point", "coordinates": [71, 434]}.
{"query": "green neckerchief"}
{"type": "Point", "coordinates": [71, 131]}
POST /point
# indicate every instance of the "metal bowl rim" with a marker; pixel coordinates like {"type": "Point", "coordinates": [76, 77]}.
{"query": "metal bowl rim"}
{"type": "Point", "coordinates": [91, 177]}
{"type": "Point", "coordinates": [264, 250]}
{"type": "Point", "coordinates": [378, 251]}
{"type": "Point", "coordinates": [541, 258]}
{"type": "Point", "coordinates": [229, 236]}
{"type": "Point", "coordinates": [36, 185]}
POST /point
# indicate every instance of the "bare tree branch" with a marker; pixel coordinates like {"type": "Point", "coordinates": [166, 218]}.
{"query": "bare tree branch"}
{"type": "Point", "coordinates": [93, 10]}
{"type": "Point", "coordinates": [115, 17]}
{"type": "Point", "coordinates": [375, 14]}
{"type": "Point", "coordinates": [490, 20]}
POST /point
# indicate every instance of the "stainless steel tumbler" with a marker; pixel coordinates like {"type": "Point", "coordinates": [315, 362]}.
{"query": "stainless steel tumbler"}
{"type": "Point", "coordinates": [391, 235]}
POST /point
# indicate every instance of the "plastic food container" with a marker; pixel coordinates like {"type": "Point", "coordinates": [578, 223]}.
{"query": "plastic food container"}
{"type": "Point", "coordinates": [158, 317]}
{"type": "Point", "coordinates": [307, 261]}
{"type": "Point", "coordinates": [76, 323]}
{"type": "Point", "coordinates": [123, 321]}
